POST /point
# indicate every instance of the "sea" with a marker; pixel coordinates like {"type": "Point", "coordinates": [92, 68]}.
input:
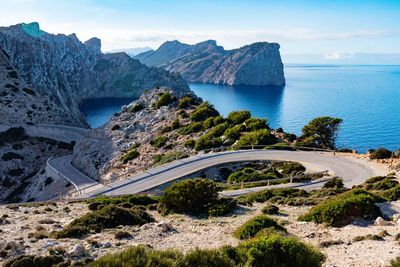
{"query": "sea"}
{"type": "Point", "coordinates": [366, 97]}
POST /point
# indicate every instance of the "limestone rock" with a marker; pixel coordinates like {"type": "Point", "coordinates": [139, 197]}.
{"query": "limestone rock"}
{"type": "Point", "coordinates": [77, 251]}
{"type": "Point", "coordinates": [257, 64]}
{"type": "Point", "coordinates": [381, 222]}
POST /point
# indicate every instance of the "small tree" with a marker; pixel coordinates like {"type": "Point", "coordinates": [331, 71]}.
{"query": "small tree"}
{"type": "Point", "coordinates": [322, 131]}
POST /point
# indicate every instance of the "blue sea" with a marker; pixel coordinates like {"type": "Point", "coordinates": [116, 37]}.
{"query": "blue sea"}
{"type": "Point", "coordinates": [367, 98]}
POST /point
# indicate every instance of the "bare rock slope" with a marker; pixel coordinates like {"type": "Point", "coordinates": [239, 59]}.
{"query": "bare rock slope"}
{"type": "Point", "coordinates": [71, 71]}
{"type": "Point", "coordinates": [257, 64]}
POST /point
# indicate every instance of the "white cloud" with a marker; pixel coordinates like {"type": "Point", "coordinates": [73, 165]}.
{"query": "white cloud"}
{"type": "Point", "coordinates": [337, 55]}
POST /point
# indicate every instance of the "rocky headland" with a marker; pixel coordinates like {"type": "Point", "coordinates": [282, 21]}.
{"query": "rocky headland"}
{"type": "Point", "coordinates": [256, 64]}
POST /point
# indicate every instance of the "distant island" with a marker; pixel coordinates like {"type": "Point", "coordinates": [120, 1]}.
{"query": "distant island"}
{"type": "Point", "coordinates": [258, 64]}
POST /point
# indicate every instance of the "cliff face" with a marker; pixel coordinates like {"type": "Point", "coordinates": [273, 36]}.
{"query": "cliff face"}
{"type": "Point", "coordinates": [20, 103]}
{"type": "Point", "coordinates": [256, 64]}
{"type": "Point", "coordinates": [70, 71]}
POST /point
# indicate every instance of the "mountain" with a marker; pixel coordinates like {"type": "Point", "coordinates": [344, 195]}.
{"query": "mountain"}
{"type": "Point", "coordinates": [255, 64]}
{"type": "Point", "coordinates": [20, 103]}
{"type": "Point", "coordinates": [71, 71]}
{"type": "Point", "coordinates": [132, 51]}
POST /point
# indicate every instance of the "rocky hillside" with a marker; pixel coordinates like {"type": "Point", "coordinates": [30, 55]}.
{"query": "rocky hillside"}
{"type": "Point", "coordinates": [256, 64]}
{"type": "Point", "coordinates": [71, 71]}
{"type": "Point", "coordinates": [20, 103]}
{"type": "Point", "coordinates": [163, 126]}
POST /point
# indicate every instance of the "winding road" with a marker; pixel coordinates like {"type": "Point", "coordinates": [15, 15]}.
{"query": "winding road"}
{"type": "Point", "coordinates": [353, 171]}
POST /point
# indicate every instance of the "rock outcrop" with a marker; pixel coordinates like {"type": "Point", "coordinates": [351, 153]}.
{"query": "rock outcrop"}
{"type": "Point", "coordinates": [71, 71]}
{"type": "Point", "coordinates": [256, 64]}
{"type": "Point", "coordinates": [21, 104]}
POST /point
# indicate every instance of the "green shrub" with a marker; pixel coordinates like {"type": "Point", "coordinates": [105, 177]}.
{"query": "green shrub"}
{"type": "Point", "coordinates": [186, 102]}
{"type": "Point", "coordinates": [253, 226]}
{"type": "Point", "coordinates": [321, 132]}
{"type": "Point", "coordinates": [137, 107]}
{"type": "Point", "coordinates": [207, 142]}
{"type": "Point", "coordinates": [14, 134]}
{"type": "Point", "coordinates": [395, 262]}
{"type": "Point", "coordinates": [164, 100]}
{"type": "Point", "coordinates": [133, 200]}
{"type": "Point", "coordinates": [203, 111]}
{"type": "Point", "coordinates": [159, 141]}
{"type": "Point", "coordinates": [269, 194]}
{"type": "Point", "coordinates": [221, 207]}
{"type": "Point", "coordinates": [175, 124]}
{"type": "Point", "coordinates": [249, 175]}
{"type": "Point", "coordinates": [206, 258]}
{"type": "Point", "coordinates": [109, 216]}
{"type": "Point", "coordinates": [234, 132]}
{"type": "Point", "coordinates": [29, 91]}
{"type": "Point", "coordinates": [254, 124]}
{"type": "Point", "coordinates": [218, 130]}
{"type": "Point", "coordinates": [34, 261]}
{"type": "Point", "coordinates": [238, 117]}
{"type": "Point", "coordinates": [218, 120]}
{"type": "Point", "coordinates": [270, 209]}
{"type": "Point", "coordinates": [344, 208]}
{"type": "Point", "coordinates": [384, 184]}
{"type": "Point", "coordinates": [115, 127]}
{"type": "Point", "coordinates": [130, 155]}
{"type": "Point", "coordinates": [194, 196]}
{"type": "Point", "coordinates": [259, 137]}
{"type": "Point", "coordinates": [190, 143]}
{"type": "Point", "coordinates": [193, 127]}
{"type": "Point", "coordinates": [392, 194]}
{"type": "Point", "coordinates": [122, 235]}
{"type": "Point", "coordinates": [160, 159]}
{"type": "Point", "coordinates": [381, 153]}
{"type": "Point", "coordinates": [278, 251]}
{"type": "Point", "coordinates": [335, 182]}
{"type": "Point", "coordinates": [291, 168]}
{"type": "Point", "coordinates": [10, 156]}
{"type": "Point", "coordinates": [208, 123]}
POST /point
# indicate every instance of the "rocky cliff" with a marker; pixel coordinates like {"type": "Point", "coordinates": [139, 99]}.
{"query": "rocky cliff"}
{"type": "Point", "coordinates": [71, 71]}
{"type": "Point", "coordinates": [21, 104]}
{"type": "Point", "coordinates": [256, 64]}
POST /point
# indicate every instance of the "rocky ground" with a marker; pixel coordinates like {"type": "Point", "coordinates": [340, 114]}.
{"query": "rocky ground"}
{"type": "Point", "coordinates": [22, 169]}
{"type": "Point", "coordinates": [18, 225]}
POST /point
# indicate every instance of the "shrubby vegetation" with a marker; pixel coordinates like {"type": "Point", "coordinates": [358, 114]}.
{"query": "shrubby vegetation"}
{"type": "Point", "coordinates": [255, 225]}
{"type": "Point", "coordinates": [238, 117]}
{"type": "Point", "coordinates": [194, 196]}
{"type": "Point", "coordinates": [344, 208]}
{"type": "Point", "coordinates": [130, 155]}
{"type": "Point", "coordinates": [264, 251]}
{"type": "Point", "coordinates": [381, 153]}
{"type": "Point", "coordinates": [109, 216]}
{"type": "Point", "coordinates": [204, 111]}
{"type": "Point", "coordinates": [259, 137]}
{"type": "Point", "coordinates": [159, 141]}
{"type": "Point", "coordinates": [160, 159]}
{"type": "Point", "coordinates": [270, 209]}
{"type": "Point", "coordinates": [321, 132]}
{"type": "Point", "coordinates": [126, 201]}
{"type": "Point", "coordinates": [137, 107]}
{"type": "Point", "coordinates": [164, 100]}
{"type": "Point", "coordinates": [253, 124]}
{"type": "Point", "coordinates": [193, 127]}
{"type": "Point", "coordinates": [186, 102]}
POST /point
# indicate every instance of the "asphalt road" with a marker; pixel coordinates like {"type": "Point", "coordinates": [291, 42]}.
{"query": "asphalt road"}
{"type": "Point", "coordinates": [353, 171]}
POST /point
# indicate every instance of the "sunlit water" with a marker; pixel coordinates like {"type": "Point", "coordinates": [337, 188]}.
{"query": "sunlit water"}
{"type": "Point", "coordinates": [367, 98]}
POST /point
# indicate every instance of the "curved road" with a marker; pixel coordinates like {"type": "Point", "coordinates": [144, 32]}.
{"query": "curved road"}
{"type": "Point", "coordinates": [353, 171]}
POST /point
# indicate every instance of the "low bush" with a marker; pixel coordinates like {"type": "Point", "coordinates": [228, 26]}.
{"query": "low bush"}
{"type": "Point", "coordinates": [193, 127]}
{"type": "Point", "coordinates": [194, 196]}
{"type": "Point", "coordinates": [208, 123]}
{"type": "Point", "coordinates": [238, 117]}
{"type": "Point", "coordinates": [115, 127]}
{"type": "Point", "coordinates": [132, 200]}
{"type": "Point", "coordinates": [291, 168]}
{"type": "Point", "coordinates": [395, 262]}
{"type": "Point", "coordinates": [109, 216]}
{"type": "Point", "coordinates": [207, 142]}
{"type": "Point", "coordinates": [249, 175]}
{"type": "Point", "coordinates": [122, 235]}
{"type": "Point", "coordinates": [269, 194]}
{"type": "Point", "coordinates": [259, 137]}
{"type": "Point", "coordinates": [234, 132]}
{"type": "Point", "coordinates": [391, 194]}
{"type": "Point", "coordinates": [368, 237]}
{"type": "Point", "coordinates": [221, 207]}
{"type": "Point", "coordinates": [254, 124]}
{"type": "Point", "coordinates": [10, 156]}
{"type": "Point", "coordinates": [381, 153]}
{"type": "Point", "coordinates": [336, 183]}
{"type": "Point", "coordinates": [270, 209]}
{"type": "Point", "coordinates": [34, 261]}
{"type": "Point", "coordinates": [253, 226]}
{"type": "Point", "coordinates": [160, 159]}
{"type": "Point", "coordinates": [130, 155]}
{"type": "Point", "coordinates": [159, 141]}
{"type": "Point", "coordinates": [186, 102]}
{"type": "Point", "coordinates": [137, 107]}
{"type": "Point", "coordinates": [164, 100]}
{"type": "Point", "coordinates": [381, 184]}
{"type": "Point", "coordinates": [264, 251]}
{"type": "Point", "coordinates": [175, 124]}
{"type": "Point", "coordinates": [344, 208]}
{"type": "Point", "coordinates": [190, 143]}
{"type": "Point", "coordinates": [13, 135]}
{"type": "Point", "coordinates": [203, 111]}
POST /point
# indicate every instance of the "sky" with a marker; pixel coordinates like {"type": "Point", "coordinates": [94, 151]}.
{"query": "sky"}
{"type": "Point", "coordinates": [334, 29]}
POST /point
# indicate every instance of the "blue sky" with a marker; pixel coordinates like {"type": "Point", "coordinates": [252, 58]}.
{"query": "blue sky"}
{"type": "Point", "coordinates": [335, 29]}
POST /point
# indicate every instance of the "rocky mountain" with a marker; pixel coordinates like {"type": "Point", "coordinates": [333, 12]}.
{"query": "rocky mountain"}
{"type": "Point", "coordinates": [256, 64]}
{"type": "Point", "coordinates": [71, 71]}
{"type": "Point", "coordinates": [20, 103]}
